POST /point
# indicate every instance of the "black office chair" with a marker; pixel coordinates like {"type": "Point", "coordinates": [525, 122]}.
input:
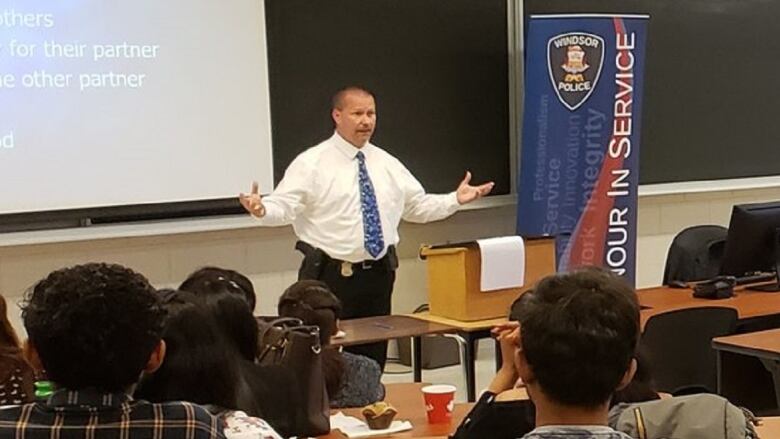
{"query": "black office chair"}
{"type": "Point", "coordinates": [696, 253]}
{"type": "Point", "coordinates": [678, 345]}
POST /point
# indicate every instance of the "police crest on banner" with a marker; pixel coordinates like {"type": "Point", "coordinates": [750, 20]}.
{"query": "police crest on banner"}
{"type": "Point", "coordinates": [574, 61]}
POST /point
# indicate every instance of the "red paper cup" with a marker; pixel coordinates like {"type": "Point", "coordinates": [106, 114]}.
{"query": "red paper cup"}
{"type": "Point", "coordinates": [439, 401]}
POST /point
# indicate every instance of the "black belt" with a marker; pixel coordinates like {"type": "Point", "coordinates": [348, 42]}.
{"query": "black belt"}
{"type": "Point", "coordinates": [368, 264]}
{"type": "Point", "coordinates": [318, 257]}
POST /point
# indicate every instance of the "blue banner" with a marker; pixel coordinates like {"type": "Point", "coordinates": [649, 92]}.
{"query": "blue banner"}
{"type": "Point", "coordinates": [579, 164]}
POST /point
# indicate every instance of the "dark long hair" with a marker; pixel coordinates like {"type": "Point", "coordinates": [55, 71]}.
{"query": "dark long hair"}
{"type": "Point", "coordinates": [314, 303]}
{"type": "Point", "coordinates": [9, 341]}
{"type": "Point", "coordinates": [236, 322]}
{"type": "Point", "coordinates": [230, 299]}
{"type": "Point", "coordinates": [11, 358]}
{"type": "Point", "coordinates": [200, 364]}
{"type": "Point", "coordinates": [642, 387]}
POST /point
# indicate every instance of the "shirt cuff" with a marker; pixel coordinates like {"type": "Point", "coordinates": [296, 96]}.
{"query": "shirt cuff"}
{"type": "Point", "coordinates": [273, 217]}
{"type": "Point", "coordinates": [452, 202]}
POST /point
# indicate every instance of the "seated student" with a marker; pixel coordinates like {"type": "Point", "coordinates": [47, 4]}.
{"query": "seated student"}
{"type": "Point", "coordinates": [226, 297]}
{"type": "Point", "coordinates": [351, 380]}
{"type": "Point", "coordinates": [202, 366]}
{"type": "Point", "coordinates": [504, 411]}
{"type": "Point", "coordinates": [95, 328]}
{"type": "Point", "coordinates": [223, 291]}
{"type": "Point", "coordinates": [577, 338]}
{"type": "Point", "coordinates": [16, 375]}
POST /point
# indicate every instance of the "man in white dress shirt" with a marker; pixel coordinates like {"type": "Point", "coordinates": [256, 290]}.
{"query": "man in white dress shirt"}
{"type": "Point", "coordinates": [345, 199]}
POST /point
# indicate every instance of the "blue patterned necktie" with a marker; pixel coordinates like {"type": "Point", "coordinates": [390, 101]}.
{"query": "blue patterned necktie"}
{"type": "Point", "coordinates": [372, 225]}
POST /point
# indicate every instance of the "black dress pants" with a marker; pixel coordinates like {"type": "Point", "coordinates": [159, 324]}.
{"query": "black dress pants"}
{"type": "Point", "coordinates": [366, 293]}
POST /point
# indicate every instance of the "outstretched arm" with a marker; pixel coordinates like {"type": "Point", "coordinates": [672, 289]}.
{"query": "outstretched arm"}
{"type": "Point", "coordinates": [287, 200]}
{"type": "Point", "coordinates": [420, 207]}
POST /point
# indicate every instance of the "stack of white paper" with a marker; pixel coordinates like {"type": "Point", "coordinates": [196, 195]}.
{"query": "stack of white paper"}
{"type": "Point", "coordinates": [503, 262]}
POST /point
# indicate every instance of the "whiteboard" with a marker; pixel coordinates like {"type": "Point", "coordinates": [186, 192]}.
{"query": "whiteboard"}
{"type": "Point", "coordinates": [125, 103]}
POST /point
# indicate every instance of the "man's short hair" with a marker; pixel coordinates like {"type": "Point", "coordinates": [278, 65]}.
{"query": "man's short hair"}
{"type": "Point", "coordinates": [579, 333]}
{"type": "Point", "coordinates": [337, 101]}
{"type": "Point", "coordinates": [93, 325]}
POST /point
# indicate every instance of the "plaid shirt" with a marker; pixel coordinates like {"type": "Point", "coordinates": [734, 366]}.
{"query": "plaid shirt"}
{"type": "Point", "coordinates": [92, 415]}
{"type": "Point", "coordinates": [575, 432]}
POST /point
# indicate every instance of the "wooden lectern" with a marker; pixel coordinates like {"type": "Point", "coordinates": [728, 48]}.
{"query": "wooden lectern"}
{"type": "Point", "coordinates": [454, 272]}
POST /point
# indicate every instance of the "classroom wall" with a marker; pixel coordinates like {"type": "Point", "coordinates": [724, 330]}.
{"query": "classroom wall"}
{"type": "Point", "coordinates": [267, 256]}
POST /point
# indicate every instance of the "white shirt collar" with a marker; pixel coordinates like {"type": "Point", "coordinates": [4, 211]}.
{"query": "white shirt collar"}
{"type": "Point", "coordinates": [347, 148]}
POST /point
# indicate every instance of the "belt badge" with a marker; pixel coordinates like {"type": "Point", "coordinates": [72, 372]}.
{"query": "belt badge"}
{"type": "Point", "coordinates": [346, 269]}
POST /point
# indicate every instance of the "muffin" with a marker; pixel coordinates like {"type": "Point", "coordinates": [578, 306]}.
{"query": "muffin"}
{"type": "Point", "coordinates": [379, 415]}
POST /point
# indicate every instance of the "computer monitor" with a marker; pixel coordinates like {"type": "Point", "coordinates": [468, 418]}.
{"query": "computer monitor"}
{"type": "Point", "coordinates": [753, 242]}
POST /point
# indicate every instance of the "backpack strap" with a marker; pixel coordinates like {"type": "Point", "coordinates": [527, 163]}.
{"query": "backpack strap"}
{"type": "Point", "coordinates": [640, 423]}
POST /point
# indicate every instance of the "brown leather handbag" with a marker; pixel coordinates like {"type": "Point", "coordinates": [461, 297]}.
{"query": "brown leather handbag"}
{"type": "Point", "coordinates": [287, 345]}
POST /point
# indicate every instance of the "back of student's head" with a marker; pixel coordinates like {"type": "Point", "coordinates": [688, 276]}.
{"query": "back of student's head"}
{"type": "Point", "coordinates": [206, 281]}
{"type": "Point", "coordinates": [313, 303]}
{"type": "Point", "coordinates": [93, 325]}
{"type": "Point", "coordinates": [579, 333]}
{"type": "Point", "coordinates": [230, 299]}
{"type": "Point", "coordinates": [199, 365]}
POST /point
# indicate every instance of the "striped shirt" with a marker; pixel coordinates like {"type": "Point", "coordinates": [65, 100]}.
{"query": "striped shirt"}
{"type": "Point", "coordinates": [92, 415]}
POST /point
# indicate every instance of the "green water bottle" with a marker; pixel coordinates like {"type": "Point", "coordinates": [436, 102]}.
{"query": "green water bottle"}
{"type": "Point", "coordinates": [43, 389]}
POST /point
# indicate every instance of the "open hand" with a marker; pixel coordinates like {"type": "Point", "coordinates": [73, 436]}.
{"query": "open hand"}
{"type": "Point", "coordinates": [253, 203]}
{"type": "Point", "coordinates": [467, 193]}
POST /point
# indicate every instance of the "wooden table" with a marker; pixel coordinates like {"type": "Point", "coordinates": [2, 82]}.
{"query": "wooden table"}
{"type": "Point", "coordinates": [750, 305]}
{"type": "Point", "coordinates": [381, 328]}
{"type": "Point", "coordinates": [408, 400]}
{"type": "Point", "coordinates": [749, 368]}
{"type": "Point", "coordinates": [769, 428]}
